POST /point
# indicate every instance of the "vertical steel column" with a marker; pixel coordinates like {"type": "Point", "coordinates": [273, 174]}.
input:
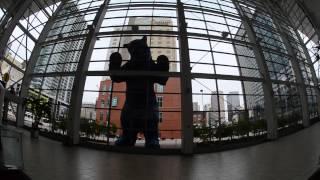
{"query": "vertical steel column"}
{"type": "Point", "coordinates": [313, 72]}
{"type": "Point", "coordinates": [269, 103]}
{"type": "Point", "coordinates": [305, 50]}
{"type": "Point", "coordinates": [316, 26]}
{"type": "Point", "coordinates": [18, 13]}
{"type": "Point", "coordinates": [73, 124]}
{"type": "Point", "coordinates": [186, 87]}
{"type": "Point", "coordinates": [31, 64]}
{"type": "Point", "coordinates": [300, 82]}
{"type": "Point", "coordinates": [295, 65]}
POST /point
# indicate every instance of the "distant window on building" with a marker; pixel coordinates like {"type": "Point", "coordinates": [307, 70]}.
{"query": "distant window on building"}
{"type": "Point", "coordinates": [160, 116]}
{"type": "Point", "coordinates": [104, 89]}
{"type": "Point", "coordinates": [102, 103]}
{"type": "Point", "coordinates": [101, 116]}
{"type": "Point", "coordinates": [114, 102]}
{"type": "Point", "coordinates": [91, 115]}
{"type": "Point", "coordinates": [108, 101]}
{"type": "Point", "coordinates": [159, 88]}
{"type": "Point", "coordinates": [160, 101]}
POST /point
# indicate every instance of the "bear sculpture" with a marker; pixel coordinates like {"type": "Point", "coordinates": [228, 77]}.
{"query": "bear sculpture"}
{"type": "Point", "coordinates": [140, 112]}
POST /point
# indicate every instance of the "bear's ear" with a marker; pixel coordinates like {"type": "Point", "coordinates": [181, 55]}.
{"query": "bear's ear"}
{"type": "Point", "coordinates": [144, 38]}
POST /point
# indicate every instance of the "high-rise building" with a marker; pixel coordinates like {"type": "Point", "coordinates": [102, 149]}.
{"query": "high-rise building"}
{"type": "Point", "coordinates": [208, 114]}
{"type": "Point", "coordinates": [61, 62]}
{"type": "Point", "coordinates": [217, 104]}
{"type": "Point", "coordinates": [143, 23]}
{"type": "Point", "coordinates": [279, 68]}
{"type": "Point", "coordinates": [195, 106]}
{"type": "Point", "coordinates": [233, 104]}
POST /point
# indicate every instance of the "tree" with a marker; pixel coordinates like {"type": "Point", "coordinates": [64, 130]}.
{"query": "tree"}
{"type": "Point", "coordinates": [258, 126]}
{"type": "Point", "coordinates": [243, 127]}
{"type": "Point", "coordinates": [224, 130]}
{"type": "Point", "coordinates": [220, 131]}
{"type": "Point", "coordinates": [113, 129]}
{"type": "Point", "coordinates": [87, 127]}
{"type": "Point", "coordinates": [202, 132]}
{"type": "Point", "coordinates": [62, 125]}
{"type": "Point", "coordinates": [228, 131]}
{"type": "Point", "coordinates": [40, 108]}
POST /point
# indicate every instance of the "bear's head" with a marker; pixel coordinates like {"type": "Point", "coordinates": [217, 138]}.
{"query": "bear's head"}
{"type": "Point", "coordinates": [139, 50]}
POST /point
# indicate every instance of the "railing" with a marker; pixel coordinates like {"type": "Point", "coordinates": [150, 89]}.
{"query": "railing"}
{"type": "Point", "coordinates": [11, 148]}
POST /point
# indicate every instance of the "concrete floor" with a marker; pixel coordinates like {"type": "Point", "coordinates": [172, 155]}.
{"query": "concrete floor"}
{"type": "Point", "coordinates": [293, 157]}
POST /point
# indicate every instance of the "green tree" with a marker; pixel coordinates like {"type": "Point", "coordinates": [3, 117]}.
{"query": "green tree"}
{"type": "Point", "coordinates": [228, 131]}
{"type": "Point", "coordinates": [111, 132]}
{"type": "Point", "coordinates": [40, 108]}
{"type": "Point", "coordinates": [243, 127]}
{"type": "Point", "coordinates": [202, 132]}
{"type": "Point", "coordinates": [258, 126]}
{"type": "Point", "coordinates": [87, 126]}
{"type": "Point", "coordinates": [62, 125]}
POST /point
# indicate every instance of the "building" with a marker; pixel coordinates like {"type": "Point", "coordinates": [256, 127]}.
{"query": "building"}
{"type": "Point", "coordinates": [141, 23]}
{"type": "Point", "coordinates": [233, 104]}
{"type": "Point", "coordinates": [15, 74]}
{"type": "Point", "coordinates": [279, 67]}
{"type": "Point", "coordinates": [267, 89]}
{"type": "Point", "coordinates": [61, 62]}
{"type": "Point", "coordinates": [196, 106]}
{"type": "Point", "coordinates": [218, 109]}
{"type": "Point", "coordinates": [169, 106]}
{"type": "Point", "coordinates": [208, 115]}
{"type": "Point", "coordinates": [88, 111]}
{"type": "Point", "coordinates": [199, 119]}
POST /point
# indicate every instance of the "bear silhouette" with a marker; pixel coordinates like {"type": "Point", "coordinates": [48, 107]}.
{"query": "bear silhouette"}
{"type": "Point", "coordinates": [140, 112]}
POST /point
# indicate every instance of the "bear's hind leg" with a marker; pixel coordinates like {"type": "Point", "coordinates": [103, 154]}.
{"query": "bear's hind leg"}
{"type": "Point", "coordinates": [151, 132]}
{"type": "Point", "coordinates": [129, 131]}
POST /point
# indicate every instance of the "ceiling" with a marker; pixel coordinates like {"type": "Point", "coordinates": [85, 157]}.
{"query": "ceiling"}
{"type": "Point", "coordinates": [35, 6]}
{"type": "Point", "coordinates": [313, 7]}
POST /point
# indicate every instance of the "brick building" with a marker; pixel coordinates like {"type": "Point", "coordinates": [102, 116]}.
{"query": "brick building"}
{"type": "Point", "coordinates": [168, 98]}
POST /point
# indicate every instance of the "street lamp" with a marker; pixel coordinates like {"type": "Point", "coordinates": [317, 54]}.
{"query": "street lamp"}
{"type": "Point", "coordinates": [201, 90]}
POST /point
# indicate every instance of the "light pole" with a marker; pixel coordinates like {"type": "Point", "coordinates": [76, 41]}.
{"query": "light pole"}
{"type": "Point", "coordinates": [201, 90]}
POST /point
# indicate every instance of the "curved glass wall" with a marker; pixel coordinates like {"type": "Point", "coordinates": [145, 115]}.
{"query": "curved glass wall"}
{"type": "Point", "coordinates": [21, 24]}
{"type": "Point", "coordinates": [238, 69]}
{"type": "Point", "coordinates": [309, 38]}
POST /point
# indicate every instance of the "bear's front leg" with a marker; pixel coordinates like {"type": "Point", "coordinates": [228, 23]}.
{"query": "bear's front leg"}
{"type": "Point", "coordinates": [115, 61]}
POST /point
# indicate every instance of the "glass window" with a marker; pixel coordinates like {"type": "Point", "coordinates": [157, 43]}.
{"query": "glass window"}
{"type": "Point", "coordinates": [101, 116]}
{"type": "Point", "coordinates": [159, 88]}
{"type": "Point", "coordinates": [160, 116]}
{"type": "Point", "coordinates": [160, 101]}
{"type": "Point", "coordinates": [114, 102]}
{"type": "Point", "coordinates": [102, 103]}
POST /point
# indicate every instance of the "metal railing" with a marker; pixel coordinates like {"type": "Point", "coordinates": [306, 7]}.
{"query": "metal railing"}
{"type": "Point", "coordinates": [11, 154]}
